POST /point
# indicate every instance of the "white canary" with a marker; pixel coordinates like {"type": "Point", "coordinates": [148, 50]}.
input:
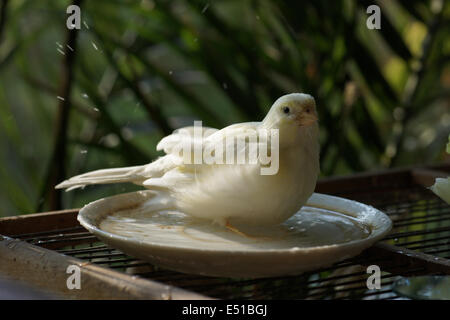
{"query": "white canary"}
{"type": "Point", "coordinates": [231, 193]}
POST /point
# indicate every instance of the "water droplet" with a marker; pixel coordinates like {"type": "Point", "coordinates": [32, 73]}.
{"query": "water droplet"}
{"type": "Point", "coordinates": [205, 8]}
{"type": "Point", "coordinates": [127, 133]}
{"type": "Point", "coordinates": [111, 140]}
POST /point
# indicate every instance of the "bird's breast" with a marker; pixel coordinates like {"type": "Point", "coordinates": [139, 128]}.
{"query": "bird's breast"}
{"type": "Point", "coordinates": [243, 195]}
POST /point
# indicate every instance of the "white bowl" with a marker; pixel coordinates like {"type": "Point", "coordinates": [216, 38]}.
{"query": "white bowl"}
{"type": "Point", "coordinates": [326, 230]}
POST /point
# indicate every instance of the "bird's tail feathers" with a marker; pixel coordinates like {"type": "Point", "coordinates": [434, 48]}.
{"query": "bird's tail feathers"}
{"type": "Point", "coordinates": [104, 176]}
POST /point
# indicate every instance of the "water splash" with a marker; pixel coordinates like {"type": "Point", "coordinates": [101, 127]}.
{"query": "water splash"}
{"type": "Point", "coordinates": [205, 8]}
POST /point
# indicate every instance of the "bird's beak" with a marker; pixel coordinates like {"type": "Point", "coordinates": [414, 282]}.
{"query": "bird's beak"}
{"type": "Point", "coordinates": [306, 119]}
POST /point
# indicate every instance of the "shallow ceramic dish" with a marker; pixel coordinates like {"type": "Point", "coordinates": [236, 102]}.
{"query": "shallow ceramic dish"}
{"type": "Point", "coordinates": [326, 230]}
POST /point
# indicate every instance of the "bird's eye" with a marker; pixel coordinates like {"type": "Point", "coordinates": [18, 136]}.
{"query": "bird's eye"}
{"type": "Point", "coordinates": [286, 110]}
{"type": "Point", "coordinates": [308, 110]}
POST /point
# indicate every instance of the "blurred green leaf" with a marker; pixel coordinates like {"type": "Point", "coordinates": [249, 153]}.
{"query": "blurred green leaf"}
{"type": "Point", "coordinates": [144, 68]}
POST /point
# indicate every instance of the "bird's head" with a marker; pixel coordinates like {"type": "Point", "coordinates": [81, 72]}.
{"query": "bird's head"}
{"type": "Point", "coordinates": [295, 117]}
{"type": "Point", "coordinates": [292, 110]}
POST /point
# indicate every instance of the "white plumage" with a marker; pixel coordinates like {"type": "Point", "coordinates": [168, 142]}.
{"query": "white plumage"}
{"type": "Point", "coordinates": [232, 193]}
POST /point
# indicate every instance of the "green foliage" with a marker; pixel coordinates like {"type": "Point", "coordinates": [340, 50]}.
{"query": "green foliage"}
{"type": "Point", "coordinates": [144, 68]}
